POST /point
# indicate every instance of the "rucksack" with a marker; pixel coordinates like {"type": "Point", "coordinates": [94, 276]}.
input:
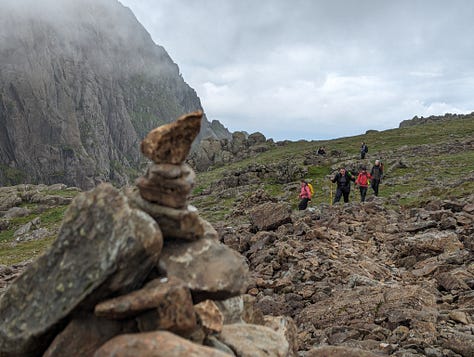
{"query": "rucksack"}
{"type": "Point", "coordinates": [366, 149]}
{"type": "Point", "coordinates": [311, 189]}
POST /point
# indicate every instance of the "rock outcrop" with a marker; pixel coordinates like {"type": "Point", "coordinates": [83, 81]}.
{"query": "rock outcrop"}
{"type": "Point", "coordinates": [214, 151]}
{"type": "Point", "coordinates": [78, 91]}
{"type": "Point", "coordinates": [115, 283]}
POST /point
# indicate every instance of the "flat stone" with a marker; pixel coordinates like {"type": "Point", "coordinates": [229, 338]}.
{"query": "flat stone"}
{"type": "Point", "coordinates": [269, 216]}
{"type": "Point", "coordinates": [154, 294]}
{"type": "Point", "coordinates": [174, 223]}
{"type": "Point", "coordinates": [171, 143]}
{"type": "Point", "coordinates": [171, 192]}
{"type": "Point", "coordinates": [210, 269]}
{"type": "Point", "coordinates": [156, 344]}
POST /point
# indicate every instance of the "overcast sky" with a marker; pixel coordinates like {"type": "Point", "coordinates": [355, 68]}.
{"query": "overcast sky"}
{"type": "Point", "coordinates": [314, 69]}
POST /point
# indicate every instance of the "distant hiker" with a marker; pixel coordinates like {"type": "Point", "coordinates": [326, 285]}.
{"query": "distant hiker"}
{"type": "Point", "coordinates": [377, 175]}
{"type": "Point", "coordinates": [321, 151]}
{"type": "Point", "coordinates": [364, 149]}
{"type": "Point", "coordinates": [305, 195]}
{"type": "Point", "coordinates": [363, 182]}
{"type": "Point", "coordinates": [343, 180]}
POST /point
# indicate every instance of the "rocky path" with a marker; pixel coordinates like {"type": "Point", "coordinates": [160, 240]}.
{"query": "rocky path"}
{"type": "Point", "coordinates": [362, 275]}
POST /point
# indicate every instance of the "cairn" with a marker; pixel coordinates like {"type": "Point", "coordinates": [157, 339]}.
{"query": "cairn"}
{"type": "Point", "coordinates": [138, 272]}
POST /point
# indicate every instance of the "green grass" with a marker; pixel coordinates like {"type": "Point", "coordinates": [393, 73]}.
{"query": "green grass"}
{"type": "Point", "coordinates": [23, 251]}
{"type": "Point", "coordinates": [409, 186]}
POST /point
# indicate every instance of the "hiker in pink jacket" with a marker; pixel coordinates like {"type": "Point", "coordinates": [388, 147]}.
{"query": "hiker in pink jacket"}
{"type": "Point", "coordinates": [305, 195]}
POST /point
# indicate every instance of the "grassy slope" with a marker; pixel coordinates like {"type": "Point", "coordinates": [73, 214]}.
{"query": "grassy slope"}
{"type": "Point", "coordinates": [405, 186]}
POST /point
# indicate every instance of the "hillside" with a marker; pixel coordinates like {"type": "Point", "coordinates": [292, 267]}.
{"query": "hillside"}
{"type": "Point", "coordinates": [393, 276]}
{"type": "Point", "coordinates": [81, 83]}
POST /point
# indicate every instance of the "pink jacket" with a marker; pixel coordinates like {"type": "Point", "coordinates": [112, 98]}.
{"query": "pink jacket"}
{"type": "Point", "coordinates": [305, 192]}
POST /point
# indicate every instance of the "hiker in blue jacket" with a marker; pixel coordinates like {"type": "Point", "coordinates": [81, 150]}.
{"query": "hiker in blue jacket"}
{"type": "Point", "coordinates": [343, 180]}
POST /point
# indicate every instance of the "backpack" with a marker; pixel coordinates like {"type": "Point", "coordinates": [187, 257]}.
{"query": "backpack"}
{"type": "Point", "coordinates": [311, 189]}
{"type": "Point", "coordinates": [366, 149]}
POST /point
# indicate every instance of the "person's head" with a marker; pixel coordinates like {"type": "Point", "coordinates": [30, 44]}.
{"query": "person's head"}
{"type": "Point", "coordinates": [363, 169]}
{"type": "Point", "coordinates": [342, 170]}
{"type": "Point", "coordinates": [303, 182]}
{"type": "Point", "coordinates": [377, 162]}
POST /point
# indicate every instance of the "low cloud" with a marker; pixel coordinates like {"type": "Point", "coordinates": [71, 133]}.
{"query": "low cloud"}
{"type": "Point", "coordinates": [318, 69]}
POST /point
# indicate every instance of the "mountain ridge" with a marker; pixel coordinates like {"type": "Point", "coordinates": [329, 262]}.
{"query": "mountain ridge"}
{"type": "Point", "coordinates": [81, 83]}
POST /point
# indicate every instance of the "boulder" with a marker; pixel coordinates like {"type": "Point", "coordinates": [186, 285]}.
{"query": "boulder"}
{"type": "Point", "coordinates": [104, 247]}
{"type": "Point", "coordinates": [269, 216]}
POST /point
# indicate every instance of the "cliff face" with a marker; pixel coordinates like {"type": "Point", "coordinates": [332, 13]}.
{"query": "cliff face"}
{"type": "Point", "coordinates": [81, 83]}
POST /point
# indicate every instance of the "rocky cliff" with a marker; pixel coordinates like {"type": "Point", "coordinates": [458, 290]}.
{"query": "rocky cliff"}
{"type": "Point", "coordinates": [433, 119]}
{"type": "Point", "coordinates": [81, 83]}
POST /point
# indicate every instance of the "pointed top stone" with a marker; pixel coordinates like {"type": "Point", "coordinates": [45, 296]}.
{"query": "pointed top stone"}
{"type": "Point", "coordinates": [171, 143]}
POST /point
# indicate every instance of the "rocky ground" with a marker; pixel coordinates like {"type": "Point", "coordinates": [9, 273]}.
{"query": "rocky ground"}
{"type": "Point", "coordinates": [395, 282]}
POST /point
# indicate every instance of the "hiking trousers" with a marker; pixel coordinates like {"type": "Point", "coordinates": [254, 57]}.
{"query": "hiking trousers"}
{"type": "Point", "coordinates": [374, 183]}
{"type": "Point", "coordinates": [303, 204]}
{"type": "Point", "coordinates": [339, 193]}
{"type": "Point", "coordinates": [363, 193]}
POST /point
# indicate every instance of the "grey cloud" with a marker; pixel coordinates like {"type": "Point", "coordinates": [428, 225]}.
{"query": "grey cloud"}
{"type": "Point", "coordinates": [342, 66]}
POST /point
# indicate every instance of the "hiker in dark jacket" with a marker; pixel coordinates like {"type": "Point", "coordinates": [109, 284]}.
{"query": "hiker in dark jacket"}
{"type": "Point", "coordinates": [343, 180]}
{"type": "Point", "coordinates": [364, 149]}
{"type": "Point", "coordinates": [377, 174]}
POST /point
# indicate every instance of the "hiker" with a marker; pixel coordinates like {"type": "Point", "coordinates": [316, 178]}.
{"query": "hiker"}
{"type": "Point", "coordinates": [321, 151]}
{"type": "Point", "coordinates": [305, 195]}
{"type": "Point", "coordinates": [363, 182]}
{"type": "Point", "coordinates": [364, 149]}
{"type": "Point", "coordinates": [343, 180]}
{"type": "Point", "coordinates": [377, 174]}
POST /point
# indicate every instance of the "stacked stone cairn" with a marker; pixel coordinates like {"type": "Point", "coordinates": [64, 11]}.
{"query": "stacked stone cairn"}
{"type": "Point", "coordinates": [137, 272]}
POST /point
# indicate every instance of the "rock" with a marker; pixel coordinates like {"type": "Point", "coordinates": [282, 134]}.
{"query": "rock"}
{"type": "Point", "coordinates": [269, 216]}
{"type": "Point", "coordinates": [254, 341]}
{"type": "Point", "coordinates": [156, 344]}
{"type": "Point", "coordinates": [213, 342]}
{"type": "Point", "coordinates": [171, 143]}
{"type": "Point", "coordinates": [9, 198]}
{"type": "Point", "coordinates": [339, 351]}
{"type": "Point", "coordinates": [103, 248]}
{"type": "Point", "coordinates": [285, 326]}
{"type": "Point", "coordinates": [210, 269]}
{"type": "Point", "coordinates": [161, 187]}
{"type": "Point", "coordinates": [240, 309]}
{"type": "Point", "coordinates": [459, 316]}
{"type": "Point", "coordinates": [450, 282]}
{"type": "Point", "coordinates": [85, 334]}
{"type": "Point", "coordinates": [15, 212]}
{"type": "Point", "coordinates": [156, 293]}
{"type": "Point", "coordinates": [459, 342]}
{"type": "Point", "coordinates": [210, 316]}
{"type": "Point", "coordinates": [174, 223]}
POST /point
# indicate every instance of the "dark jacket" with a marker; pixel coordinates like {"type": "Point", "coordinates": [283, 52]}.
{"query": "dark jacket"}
{"type": "Point", "coordinates": [376, 172]}
{"type": "Point", "coordinates": [343, 181]}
